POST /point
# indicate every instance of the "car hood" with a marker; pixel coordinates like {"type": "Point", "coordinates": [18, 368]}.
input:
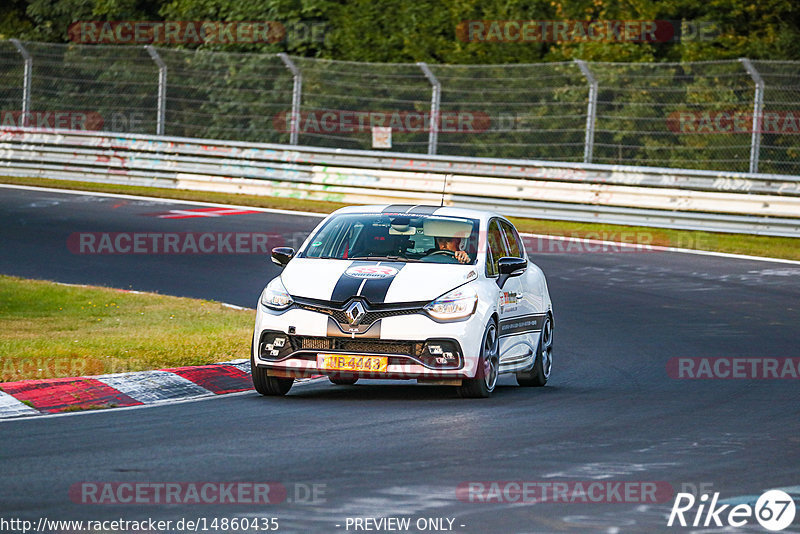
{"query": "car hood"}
{"type": "Point", "coordinates": [380, 282]}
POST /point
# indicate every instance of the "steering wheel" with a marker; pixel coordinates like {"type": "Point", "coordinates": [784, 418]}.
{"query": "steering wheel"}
{"type": "Point", "coordinates": [448, 252]}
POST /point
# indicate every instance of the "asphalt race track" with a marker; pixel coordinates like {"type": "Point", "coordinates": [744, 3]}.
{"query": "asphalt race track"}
{"type": "Point", "coordinates": [610, 413]}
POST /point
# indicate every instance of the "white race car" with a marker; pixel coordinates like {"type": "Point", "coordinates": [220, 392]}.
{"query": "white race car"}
{"type": "Point", "coordinates": [437, 294]}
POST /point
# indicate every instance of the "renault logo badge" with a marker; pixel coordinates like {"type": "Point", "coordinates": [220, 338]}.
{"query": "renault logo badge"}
{"type": "Point", "coordinates": [355, 312]}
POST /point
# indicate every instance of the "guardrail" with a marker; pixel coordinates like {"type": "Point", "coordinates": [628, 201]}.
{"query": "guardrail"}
{"type": "Point", "coordinates": [699, 200]}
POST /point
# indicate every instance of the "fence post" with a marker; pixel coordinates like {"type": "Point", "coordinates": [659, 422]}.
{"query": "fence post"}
{"type": "Point", "coordinates": [436, 94]}
{"type": "Point", "coordinates": [297, 91]}
{"type": "Point", "coordinates": [162, 88]}
{"type": "Point", "coordinates": [591, 111]}
{"type": "Point", "coordinates": [758, 111]}
{"type": "Point", "coordinates": [26, 79]}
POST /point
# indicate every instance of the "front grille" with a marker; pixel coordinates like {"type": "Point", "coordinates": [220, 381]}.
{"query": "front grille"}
{"type": "Point", "coordinates": [356, 345]}
{"type": "Point", "coordinates": [374, 346]}
{"type": "Point", "coordinates": [373, 313]}
{"type": "Point", "coordinates": [314, 343]}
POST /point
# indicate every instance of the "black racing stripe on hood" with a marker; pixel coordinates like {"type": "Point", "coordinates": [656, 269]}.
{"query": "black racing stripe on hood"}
{"type": "Point", "coordinates": [347, 286]}
{"type": "Point", "coordinates": [375, 290]}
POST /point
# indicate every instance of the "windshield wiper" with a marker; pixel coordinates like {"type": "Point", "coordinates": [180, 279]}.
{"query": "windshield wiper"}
{"type": "Point", "coordinates": [384, 258]}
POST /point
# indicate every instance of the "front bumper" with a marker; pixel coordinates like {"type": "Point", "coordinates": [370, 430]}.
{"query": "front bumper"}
{"type": "Point", "coordinates": [405, 341]}
{"type": "Point", "coordinates": [430, 358]}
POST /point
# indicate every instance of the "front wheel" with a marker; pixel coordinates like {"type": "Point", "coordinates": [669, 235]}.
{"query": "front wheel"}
{"type": "Point", "coordinates": [538, 375]}
{"type": "Point", "coordinates": [485, 379]}
{"type": "Point", "coordinates": [268, 385]}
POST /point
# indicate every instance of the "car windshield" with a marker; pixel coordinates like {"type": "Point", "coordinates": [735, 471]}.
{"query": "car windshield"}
{"type": "Point", "coordinates": [397, 237]}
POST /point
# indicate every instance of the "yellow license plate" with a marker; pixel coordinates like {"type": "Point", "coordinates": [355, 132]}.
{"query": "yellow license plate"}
{"type": "Point", "coordinates": [351, 362]}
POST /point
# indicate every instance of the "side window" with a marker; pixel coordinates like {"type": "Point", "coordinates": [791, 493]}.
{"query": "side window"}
{"type": "Point", "coordinates": [512, 238]}
{"type": "Point", "coordinates": [497, 248]}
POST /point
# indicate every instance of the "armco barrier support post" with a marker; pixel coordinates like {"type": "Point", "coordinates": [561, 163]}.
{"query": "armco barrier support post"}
{"type": "Point", "coordinates": [297, 91]}
{"type": "Point", "coordinates": [758, 111]}
{"type": "Point", "coordinates": [162, 88]}
{"type": "Point", "coordinates": [26, 78]}
{"type": "Point", "coordinates": [591, 111]}
{"type": "Point", "coordinates": [436, 94]}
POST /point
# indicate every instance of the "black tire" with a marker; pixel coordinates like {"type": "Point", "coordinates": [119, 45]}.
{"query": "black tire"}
{"type": "Point", "coordinates": [486, 375]}
{"type": "Point", "coordinates": [343, 381]}
{"type": "Point", "coordinates": [268, 385]}
{"type": "Point", "coordinates": [543, 364]}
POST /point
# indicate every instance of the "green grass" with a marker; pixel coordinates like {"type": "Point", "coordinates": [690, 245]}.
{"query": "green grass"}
{"type": "Point", "coordinates": [775, 247]}
{"type": "Point", "coordinates": [52, 330]}
{"type": "Point", "coordinates": [76, 408]}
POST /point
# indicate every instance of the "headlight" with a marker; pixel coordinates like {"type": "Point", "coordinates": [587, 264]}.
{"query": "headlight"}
{"type": "Point", "coordinates": [457, 304]}
{"type": "Point", "coordinates": [275, 295]}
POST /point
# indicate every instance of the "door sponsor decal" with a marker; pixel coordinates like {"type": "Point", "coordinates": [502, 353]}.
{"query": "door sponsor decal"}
{"type": "Point", "coordinates": [522, 325]}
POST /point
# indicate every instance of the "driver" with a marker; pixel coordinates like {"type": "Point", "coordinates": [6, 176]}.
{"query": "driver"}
{"type": "Point", "coordinates": [451, 244]}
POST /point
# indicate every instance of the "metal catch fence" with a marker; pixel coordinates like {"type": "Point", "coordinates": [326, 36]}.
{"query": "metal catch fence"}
{"type": "Point", "coordinates": [735, 115]}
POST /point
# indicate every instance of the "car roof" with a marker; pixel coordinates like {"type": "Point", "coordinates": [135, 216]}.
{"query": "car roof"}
{"type": "Point", "coordinates": [420, 209]}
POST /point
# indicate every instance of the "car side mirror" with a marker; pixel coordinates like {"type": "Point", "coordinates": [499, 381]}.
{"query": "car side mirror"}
{"type": "Point", "coordinates": [282, 255]}
{"type": "Point", "coordinates": [510, 267]}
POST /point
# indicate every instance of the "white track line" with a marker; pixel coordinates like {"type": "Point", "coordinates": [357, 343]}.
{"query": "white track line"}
{"type": "Point", "coordinates": [654, 248]}
{"type": "Point", "coordinates": [164, 200]}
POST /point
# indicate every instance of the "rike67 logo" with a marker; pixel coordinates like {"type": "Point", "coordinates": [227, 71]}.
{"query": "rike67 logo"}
{"type": "Point", "coordinates": [774, 510]}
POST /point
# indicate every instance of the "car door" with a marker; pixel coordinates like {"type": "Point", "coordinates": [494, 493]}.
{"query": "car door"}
{"type": "Point", "coordinates": [507, 307]}
{"type": "Point", "coordinates": [520, 323]}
